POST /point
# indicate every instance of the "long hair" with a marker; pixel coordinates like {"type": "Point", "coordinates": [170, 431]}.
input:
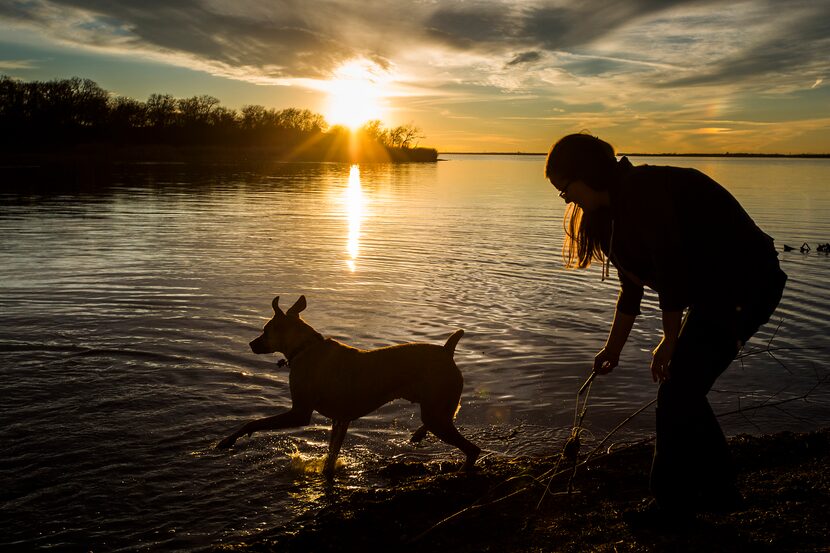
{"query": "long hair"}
{"type": "Point", "coordinates": [591, 160]}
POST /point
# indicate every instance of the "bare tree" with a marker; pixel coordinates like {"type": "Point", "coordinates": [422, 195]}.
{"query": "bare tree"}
{"type": "Point", "coordinates": [252, 116]}
{"type": "Point", "coordinates": [126, 113]}
{"type": "Point", "coordinates": [161, 110]}
{"type": "Point", "coordinates": [405, 136]}
{"type": "Point", "coordinates": [374, 130]}
{"type": "Point", "coordinates": [196, 109]}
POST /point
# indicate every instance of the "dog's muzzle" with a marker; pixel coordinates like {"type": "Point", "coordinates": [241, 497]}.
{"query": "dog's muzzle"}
{"type": "Point", "coordinates": [259, 346]}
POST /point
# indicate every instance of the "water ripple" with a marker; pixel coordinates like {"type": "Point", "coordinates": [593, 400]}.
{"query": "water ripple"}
{"type": "Point", "coordinates": [125, 314]}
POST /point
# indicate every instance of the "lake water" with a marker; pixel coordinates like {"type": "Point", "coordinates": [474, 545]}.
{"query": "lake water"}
{"type": "Point", "coordinates": [128, 298]}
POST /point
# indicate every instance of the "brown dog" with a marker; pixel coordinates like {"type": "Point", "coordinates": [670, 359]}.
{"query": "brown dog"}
{"type": "Point", "coordinates": [345, 383]}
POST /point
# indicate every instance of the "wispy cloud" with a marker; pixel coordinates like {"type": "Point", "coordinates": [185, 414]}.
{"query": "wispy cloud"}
{"type": "Point", "coordinates": [10, 65]}
{"type": "Point", "coordinates": [525, 57]}
{"type": "Point", "coordinates": [778, 51]}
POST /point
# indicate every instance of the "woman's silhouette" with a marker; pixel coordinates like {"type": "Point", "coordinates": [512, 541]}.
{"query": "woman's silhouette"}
{"type": "Point", "coordinates": [665, 228]}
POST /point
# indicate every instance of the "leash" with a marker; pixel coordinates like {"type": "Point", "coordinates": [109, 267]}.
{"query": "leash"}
{"type": "Point", "coordinates": [585, 389]}
{"type": "Point", "coordinates": [570, 452]}
{"type": "Point", "coordinates": [587, 384]}
{"type": "Point", "coordinates": [571, 449]}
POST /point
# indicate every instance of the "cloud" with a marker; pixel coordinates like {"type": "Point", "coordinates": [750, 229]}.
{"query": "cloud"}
{"type": "Point", "coordinates": [794, 46]}
{"type": "Point", "coordinates": [494, 26]}
{"type": "Point", "coordinates": [281, 39]}
{"type": "Point", "coordinates": [10, 65]}
{"type": "Point", "coordinates": [525, 57]}
{"type": "Point", "coordinates": [607, 46]}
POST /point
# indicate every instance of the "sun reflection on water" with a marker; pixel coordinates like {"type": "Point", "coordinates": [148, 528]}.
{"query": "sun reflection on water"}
{"type": "Point", "coordinates": [354, 211]}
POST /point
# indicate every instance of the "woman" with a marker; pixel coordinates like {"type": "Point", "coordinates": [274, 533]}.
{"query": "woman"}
{"type": "Point", "coordinates": [682, 234]}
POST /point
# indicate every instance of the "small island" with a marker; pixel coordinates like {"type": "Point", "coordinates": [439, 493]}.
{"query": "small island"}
{"type": "Point", "coordinates": [71, 118]}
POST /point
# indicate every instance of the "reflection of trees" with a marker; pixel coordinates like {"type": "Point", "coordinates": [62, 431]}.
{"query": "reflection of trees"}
{"type": "Point", "coordinates": [70, 112]}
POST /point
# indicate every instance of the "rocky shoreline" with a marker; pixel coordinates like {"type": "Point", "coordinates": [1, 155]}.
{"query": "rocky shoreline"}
{"type": "Point", "coordinates": [503, 506]}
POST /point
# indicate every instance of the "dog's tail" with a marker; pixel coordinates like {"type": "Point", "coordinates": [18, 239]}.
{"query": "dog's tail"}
{"type": "Point", "coordinates": [452, 341]}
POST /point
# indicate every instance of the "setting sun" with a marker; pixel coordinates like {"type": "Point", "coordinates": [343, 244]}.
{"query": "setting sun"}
{"type": "Point", "coordinates": [354, 95]}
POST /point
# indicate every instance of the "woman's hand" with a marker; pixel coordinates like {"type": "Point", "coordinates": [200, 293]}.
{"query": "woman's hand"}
{"type": "Point", "coordinates": [606, 360]}
{"type": "Point", "coordinates": [662, 354]}
{"type": "Point", "coordinates": [661, 359]}
{"type": "Point", "coordinates": [609, 356]}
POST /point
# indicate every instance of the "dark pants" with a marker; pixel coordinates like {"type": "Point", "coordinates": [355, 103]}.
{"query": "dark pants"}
{"type": "Point", "coordinates": [692, 462]}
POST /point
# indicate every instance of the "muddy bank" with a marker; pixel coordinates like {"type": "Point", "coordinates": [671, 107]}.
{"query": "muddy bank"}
{"type": "Point", "coordinates": [785, 479]}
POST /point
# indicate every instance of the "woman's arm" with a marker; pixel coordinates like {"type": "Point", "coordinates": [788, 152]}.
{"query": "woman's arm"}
{"type": "Point", "coordinates": [662, 354]}
{"type": "Point", "coordinates": [609, 356]}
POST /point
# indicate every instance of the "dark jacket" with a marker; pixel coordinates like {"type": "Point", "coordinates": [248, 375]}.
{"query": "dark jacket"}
{"type": "Point", "coordinates": [684, 235]}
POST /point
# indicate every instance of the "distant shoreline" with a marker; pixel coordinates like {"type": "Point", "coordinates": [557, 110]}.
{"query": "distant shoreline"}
{"type": "Point", "coordinates": [162, 153]}
{"type": "Point", "coordinates": [728, 154]}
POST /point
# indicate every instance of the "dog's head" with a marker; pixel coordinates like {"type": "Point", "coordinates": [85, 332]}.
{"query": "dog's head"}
{"type": "Point", "coordinates": [284, 331]}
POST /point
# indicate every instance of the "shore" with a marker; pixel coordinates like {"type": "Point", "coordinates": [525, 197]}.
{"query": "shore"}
{"type": "Point", "coordinates": [102, 153]}
{"type": "Point", "coordinates": [641, 154]}
{"type": "Point", "coordinates": [785, 479]}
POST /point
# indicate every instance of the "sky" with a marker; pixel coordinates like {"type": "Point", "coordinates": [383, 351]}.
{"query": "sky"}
{"type": "Point", "coordinates": [654, 76]}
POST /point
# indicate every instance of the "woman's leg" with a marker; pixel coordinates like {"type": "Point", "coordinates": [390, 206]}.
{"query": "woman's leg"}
{"type": "Point", "coordinates": [691, 452]}
{"type": "Point", "coordinates": [692, 463]}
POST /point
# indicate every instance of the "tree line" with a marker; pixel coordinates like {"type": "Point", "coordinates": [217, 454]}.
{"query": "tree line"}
{"type": "Point", "coordinates": [66, 112]}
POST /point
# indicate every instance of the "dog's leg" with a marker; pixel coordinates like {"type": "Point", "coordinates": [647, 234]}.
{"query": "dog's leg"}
{"type": "Point", "coordinates": [289, 419]}
{"type": "Point", "coordinates": [338, 433]}
{"type": "Point", "coordinates": [418, 435]}
{"type": "Point", "coordinates": [442, 426]}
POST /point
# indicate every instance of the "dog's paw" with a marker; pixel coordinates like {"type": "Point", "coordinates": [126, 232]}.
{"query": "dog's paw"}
{"type": "Point", "coordinates": [470, 461]}
{"type": "Point", "coordinates": [226, 443]}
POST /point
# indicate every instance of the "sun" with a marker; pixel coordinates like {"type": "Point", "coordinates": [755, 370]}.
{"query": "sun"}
{"type": "Point", "coordinates": [354, 95]}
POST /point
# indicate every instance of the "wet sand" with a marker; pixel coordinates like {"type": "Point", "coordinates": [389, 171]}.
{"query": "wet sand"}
{"type": "Point", "coordinates": [785, 479]}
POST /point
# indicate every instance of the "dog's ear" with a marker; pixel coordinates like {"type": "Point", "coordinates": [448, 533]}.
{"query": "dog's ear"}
{"type": "Point", "coordinates": [298, 306]}
{"type": "Point", "coordinates": [276, 305]}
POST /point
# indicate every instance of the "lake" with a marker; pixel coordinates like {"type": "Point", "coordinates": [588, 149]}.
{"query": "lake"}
{"type": "Point", "coordinates": [128, 296]}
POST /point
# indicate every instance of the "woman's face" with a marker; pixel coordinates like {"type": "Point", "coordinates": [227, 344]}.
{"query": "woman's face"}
{"type": "Point", "coordinates": [581, 194]}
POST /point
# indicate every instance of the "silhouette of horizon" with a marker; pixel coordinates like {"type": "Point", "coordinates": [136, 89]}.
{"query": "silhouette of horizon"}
{"type": "Point", "coordinates": [48, 116]}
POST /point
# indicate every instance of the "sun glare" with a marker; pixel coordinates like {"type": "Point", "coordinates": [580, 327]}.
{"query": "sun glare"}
{"type": "Point", "coordinates": [354, 95]}
{"type": "Point", "coordinates": [354, 212]}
